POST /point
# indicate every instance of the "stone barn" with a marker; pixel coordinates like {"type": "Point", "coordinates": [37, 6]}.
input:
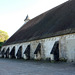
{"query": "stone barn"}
{"type": "Point", "coordinates": [50, 36]}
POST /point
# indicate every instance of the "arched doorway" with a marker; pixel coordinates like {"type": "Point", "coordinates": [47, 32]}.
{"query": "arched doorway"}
{"type": "Point", "coordinates": [3, 52]}
{"type": "Point", "coordinates": [12, 53]}
{"type": "Point", "coordinates": [27, 52]}
{"type": "Point", "coordinates": [19, 53]}
{"type": "Point", "coordinates": [38, 52]}
{"type": "Point", "coordinates": [7, 53]}
{"type": "Point", "coordinates": [55, 51]}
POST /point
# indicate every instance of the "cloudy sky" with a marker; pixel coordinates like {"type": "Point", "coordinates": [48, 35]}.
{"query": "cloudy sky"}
{"type": "Point", "coordinates": [13, 12]}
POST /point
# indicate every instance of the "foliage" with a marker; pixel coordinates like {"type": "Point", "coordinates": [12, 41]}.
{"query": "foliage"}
{"type": "Point", "coordinates": [3, 36]}
{"type": "Point", "coordinates": [1, 43]}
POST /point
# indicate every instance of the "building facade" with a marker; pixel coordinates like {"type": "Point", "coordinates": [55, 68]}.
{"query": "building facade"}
{"type": "Point", "coordinates": [49, 36]}
{"type": "Point", "coordinates": [66, 48]}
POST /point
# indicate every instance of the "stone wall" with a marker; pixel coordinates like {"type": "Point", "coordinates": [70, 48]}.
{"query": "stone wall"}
{"type": "Point", "coordinates": [66, 47]}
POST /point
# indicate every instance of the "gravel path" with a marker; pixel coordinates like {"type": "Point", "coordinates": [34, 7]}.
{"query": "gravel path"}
{"type": "Point", "coordinates": [22, 67]}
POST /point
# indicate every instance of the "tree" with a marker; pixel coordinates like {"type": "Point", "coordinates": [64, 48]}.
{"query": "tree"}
{"type": "Point", "coordinates": [3, 36]}
{"type": "Point", "coordinates": [1, 43]}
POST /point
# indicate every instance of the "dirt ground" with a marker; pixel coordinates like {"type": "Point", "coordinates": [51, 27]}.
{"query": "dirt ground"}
{"type": "Point", "coordinates": [30, 67]}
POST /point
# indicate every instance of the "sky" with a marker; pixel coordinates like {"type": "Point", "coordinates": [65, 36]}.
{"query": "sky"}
{"type": "Point", "coordinates": [13, 12]}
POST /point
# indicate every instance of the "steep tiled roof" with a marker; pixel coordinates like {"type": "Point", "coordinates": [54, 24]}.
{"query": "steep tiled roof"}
{"type": "Point", "coordinates": [57, 21]}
